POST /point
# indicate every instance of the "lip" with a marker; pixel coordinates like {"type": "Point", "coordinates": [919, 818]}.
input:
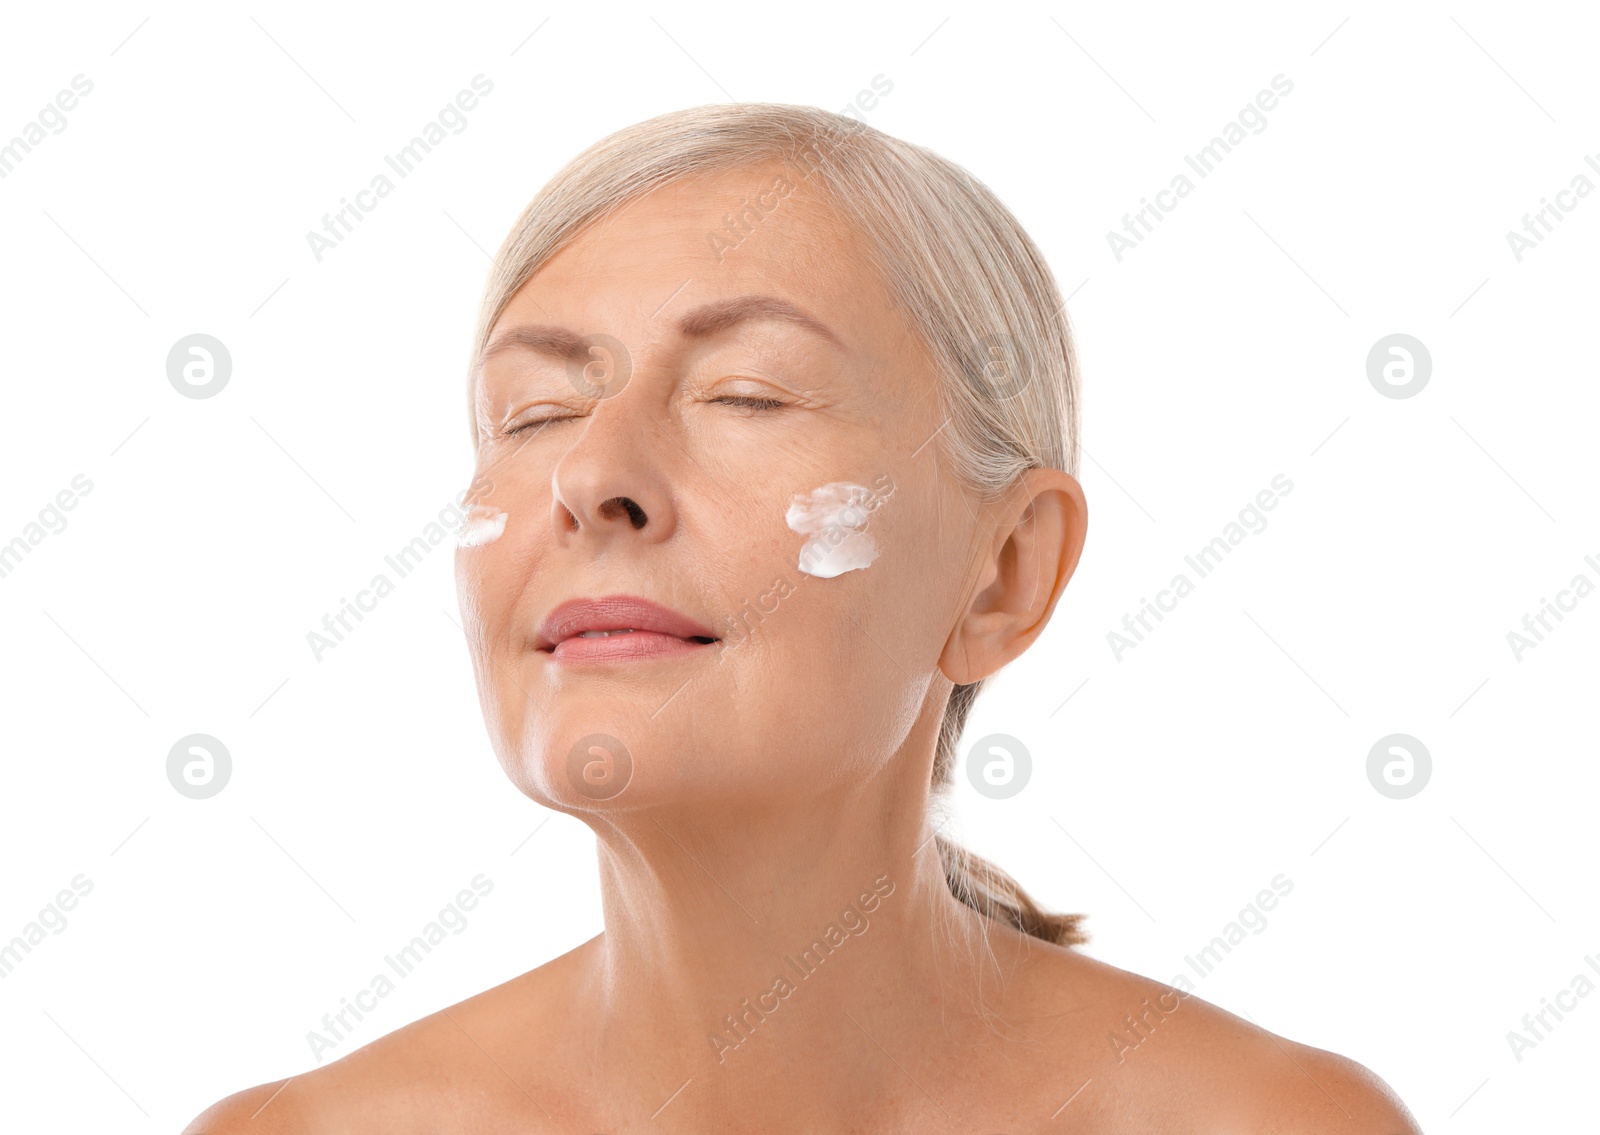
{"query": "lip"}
{"type": "Point", "coordinates": [657, 631]}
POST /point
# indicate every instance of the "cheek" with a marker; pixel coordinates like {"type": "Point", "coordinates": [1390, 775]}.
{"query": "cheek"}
{"type": "Point", "coordinates": [859, 671]}
{"type": "Point", "coordinates": [492, 577]}
{"type": "Point", "coordinates": [496, 554]}
{"type": "Point", "coordinates": [483, 524]}
{"type": "Point", "coordinates": [870, 585]}
{"type": "Point", "coordinates": [501, 519]}
{"type": "Point", "coordinates": [911, 586]}
{"type": "Point", "coordinates": [834, 519]}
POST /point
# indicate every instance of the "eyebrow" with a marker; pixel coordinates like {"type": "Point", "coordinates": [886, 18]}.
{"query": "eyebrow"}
{"type": "Point", "coordinates": [703, 322]}
{"type": "Point", "coordinates": [557, 342]}
{"type": "Point", "coordinates": [719, 315]}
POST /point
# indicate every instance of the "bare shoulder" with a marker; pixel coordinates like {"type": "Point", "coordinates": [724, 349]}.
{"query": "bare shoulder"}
{"type": "Point", "coordinates": [471, 1061]}
{"type": "Point", "coordinates": [1155, 1056]}
{"type": "Point", "coordinates": [238, 1110]}
{"type": "Point", "coordinates": [1327, 1091]}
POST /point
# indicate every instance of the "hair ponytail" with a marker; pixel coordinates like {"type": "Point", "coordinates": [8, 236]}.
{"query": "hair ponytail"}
{"type": "Point", "coordinates": [974, 880]}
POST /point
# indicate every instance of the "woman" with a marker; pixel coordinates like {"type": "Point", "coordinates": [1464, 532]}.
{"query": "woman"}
{"type": "Point", "coordinates": [775, 423]}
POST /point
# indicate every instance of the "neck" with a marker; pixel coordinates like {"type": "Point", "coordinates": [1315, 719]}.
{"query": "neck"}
{"type": "Point", "coordinates": [741, 946]}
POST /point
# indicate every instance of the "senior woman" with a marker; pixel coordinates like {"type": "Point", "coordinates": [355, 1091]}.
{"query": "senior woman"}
{"type": "Point", "coordinates": [775, 421]}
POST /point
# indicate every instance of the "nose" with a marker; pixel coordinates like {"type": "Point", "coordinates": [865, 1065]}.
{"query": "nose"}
{"type": "Point", "coordinates": [609, 484]}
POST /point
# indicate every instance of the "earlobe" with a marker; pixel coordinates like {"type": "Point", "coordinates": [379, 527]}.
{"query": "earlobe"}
{"type": "Point", "coordinates": [1034, 547]}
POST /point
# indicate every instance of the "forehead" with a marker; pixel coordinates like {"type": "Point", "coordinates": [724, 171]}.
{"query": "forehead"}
{"type": "Point", "coordinates": [761, 230]}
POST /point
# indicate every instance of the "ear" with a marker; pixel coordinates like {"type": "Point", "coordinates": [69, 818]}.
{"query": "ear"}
{"type": "Point", "coordinates": [1031, 551]}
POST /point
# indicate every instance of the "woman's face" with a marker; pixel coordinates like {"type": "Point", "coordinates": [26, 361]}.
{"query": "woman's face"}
{"type": "Point", "coordinates": [651, 404]}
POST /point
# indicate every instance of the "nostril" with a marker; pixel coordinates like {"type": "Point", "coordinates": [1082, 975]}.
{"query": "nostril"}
{"type": "Point", "coordinates": [636, 514]}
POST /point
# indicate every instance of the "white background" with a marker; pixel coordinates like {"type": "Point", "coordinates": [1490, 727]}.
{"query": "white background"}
{"type": "Point", "coordinates": [1230, 346]}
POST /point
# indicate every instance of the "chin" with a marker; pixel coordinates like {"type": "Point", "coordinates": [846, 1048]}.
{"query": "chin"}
{"type": "Point", "coordinates": [579, 762]}
{"type": "Point", "coordinates": [592, 763]}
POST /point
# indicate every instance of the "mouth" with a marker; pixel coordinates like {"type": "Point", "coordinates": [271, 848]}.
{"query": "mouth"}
{"type": "Point", "coordinates": [615, 628]}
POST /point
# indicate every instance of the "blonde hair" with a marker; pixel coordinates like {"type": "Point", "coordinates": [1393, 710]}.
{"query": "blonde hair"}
{"type": "Point", "coordinates": [964, 273]}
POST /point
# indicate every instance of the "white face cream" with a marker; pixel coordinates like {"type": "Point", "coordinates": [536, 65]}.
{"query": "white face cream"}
{"type": "Point", "coordinates": [835, 519]}
{"type": "Point", "coordinates": [482, 526]}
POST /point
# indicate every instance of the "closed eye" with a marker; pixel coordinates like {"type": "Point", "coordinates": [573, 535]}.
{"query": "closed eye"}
{"type": "Point", "coordinates": [745, 401]}
{"type": "Point", "coordinates": [536, 424]}
{"type": "Point", "coordinates": [749, 402]}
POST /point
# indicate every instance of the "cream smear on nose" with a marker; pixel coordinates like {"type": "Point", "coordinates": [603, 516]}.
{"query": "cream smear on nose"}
{"type": "Point", "coordinates": [835, 518]}
{"type": "Point", "coordinates": [482, 526]}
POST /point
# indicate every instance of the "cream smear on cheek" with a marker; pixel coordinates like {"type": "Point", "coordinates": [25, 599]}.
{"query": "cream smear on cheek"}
{"type": "Point", "coordinates": [834, 517]}
{"type": "Point", "coordinates": [483, 525]}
